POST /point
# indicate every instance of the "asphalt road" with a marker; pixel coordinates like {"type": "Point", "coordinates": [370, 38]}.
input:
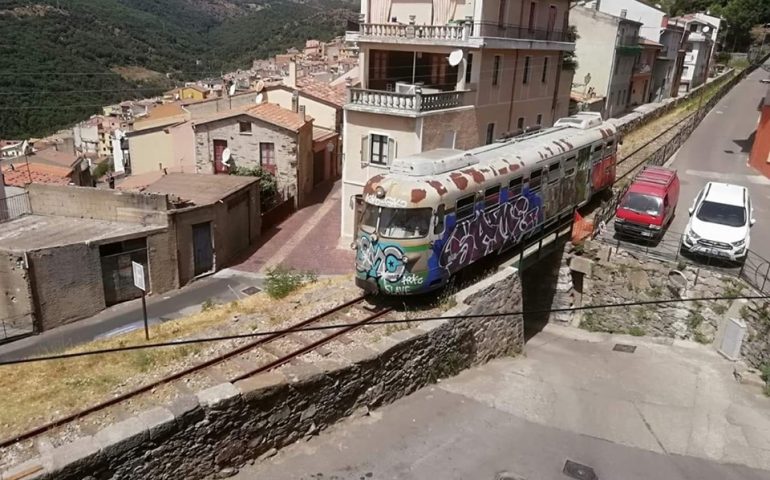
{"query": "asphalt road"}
{"type": "Point", "coordinates": [663, 412]}
{"type": "Point", "coordinates": [225, 286]}
{"type": "Point", "coordinates": [718, 150]}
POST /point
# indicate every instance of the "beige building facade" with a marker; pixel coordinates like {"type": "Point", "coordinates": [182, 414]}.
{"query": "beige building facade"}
{"type": "Point", "coordinates": [505, 76]}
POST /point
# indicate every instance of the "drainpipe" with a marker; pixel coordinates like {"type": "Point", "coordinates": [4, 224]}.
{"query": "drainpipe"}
{"type": "Point", "coordinates": [513, 89]}
{"type": "Point", "coordinates": [612, 71]}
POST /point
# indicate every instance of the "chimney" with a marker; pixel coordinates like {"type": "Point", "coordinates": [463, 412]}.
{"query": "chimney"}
{"type": "Point", "coordinates": [295, 101]}
{"type": "Point", "coordinates": [302, 112]}
{"type": "Point", "coordinates": [292, 80]}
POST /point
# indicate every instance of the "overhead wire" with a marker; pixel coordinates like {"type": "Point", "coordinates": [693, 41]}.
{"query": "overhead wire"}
{"type": "Point", "coordinates": [176, 343]}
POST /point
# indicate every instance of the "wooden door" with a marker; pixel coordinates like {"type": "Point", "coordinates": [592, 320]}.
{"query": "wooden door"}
{"type": "Point", "coordinates": [219, 148]}
{"type": "Point", "coordinates": [203, 251]}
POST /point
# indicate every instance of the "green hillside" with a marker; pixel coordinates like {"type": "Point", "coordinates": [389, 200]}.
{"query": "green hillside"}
{"type": "Point", "coordinates": [62, 59]}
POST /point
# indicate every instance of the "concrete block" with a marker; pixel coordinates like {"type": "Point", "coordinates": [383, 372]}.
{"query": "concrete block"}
{"type": "Point", "coordinates": [73, 454]}
{"type": "Point", "coordinates": [122, 435]}
{"type": "Point", "coordinates": [258, 386]}
{"type": "Point", "coordinates": [218, 395]}
{"type": "Point", "coordinates": [360, 354]}
{"type": "Point", "coordinates": [581, 265]}
{"type": "Point", "coordinates": [300, 371]}
{"type": "Point", "coordinates": [404, 335]}
{"type": "Point", "coordinates": [158, 421]}
{"type": "Point", "coordinates": [186, 409]}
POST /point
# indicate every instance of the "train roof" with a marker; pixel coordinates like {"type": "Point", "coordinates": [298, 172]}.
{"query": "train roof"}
{"type": "Point", "coordinates": [432, 174]}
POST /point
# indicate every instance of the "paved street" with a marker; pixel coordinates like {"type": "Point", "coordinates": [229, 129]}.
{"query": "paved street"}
{"type": "Point", "coordinates": [718, 150]}
{"type": "Point", "coordinates": [663, 412]}
{"type": "Point", "coordinates": [307, 240]}
{"type": "Point", "coordinates": [225, 286]}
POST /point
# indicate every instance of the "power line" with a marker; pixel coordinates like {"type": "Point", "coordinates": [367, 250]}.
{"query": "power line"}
{"type": "Point", "coordinates": [177, 343]}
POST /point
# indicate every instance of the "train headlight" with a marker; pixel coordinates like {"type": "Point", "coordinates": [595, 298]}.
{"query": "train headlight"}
{"type": "Point", "coordinates": [405, 259]}
{"type": "Point", "coordinates": [353, 245]}
{"type": "Point", "coordinates": [380, 192]}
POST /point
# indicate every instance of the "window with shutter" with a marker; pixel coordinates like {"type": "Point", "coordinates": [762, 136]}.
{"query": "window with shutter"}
{"type": "Point", "coordinates": [364, 149]}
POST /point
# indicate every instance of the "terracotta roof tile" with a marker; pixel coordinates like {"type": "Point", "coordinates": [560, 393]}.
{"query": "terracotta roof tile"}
{"type": "Point", "coordinates": [332, 94]}
{"type": "Point", "coordinates": [37, 173]}
{"type": "Point", "coordinates": [272, 113]}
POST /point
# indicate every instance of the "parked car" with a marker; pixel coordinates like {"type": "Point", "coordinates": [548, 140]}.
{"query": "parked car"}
{"type": "Point", "coordinates": [649, 204]}
{"type": "Point", "coordinates": [720, 219]}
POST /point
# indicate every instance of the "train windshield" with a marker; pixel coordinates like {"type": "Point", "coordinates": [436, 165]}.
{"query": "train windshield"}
{"type": "Point", "coordinates": [396, 222]}
{"type": "Point", "coordinates": [369, 218]}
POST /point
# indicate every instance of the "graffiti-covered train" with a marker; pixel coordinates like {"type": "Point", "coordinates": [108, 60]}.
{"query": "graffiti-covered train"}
{"type": "Point", "coordinates": [437, 212]}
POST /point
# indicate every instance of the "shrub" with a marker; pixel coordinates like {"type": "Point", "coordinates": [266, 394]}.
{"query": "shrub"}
{"type": "Point", "coordinates": [636, 331]}
{"type": "Point", "coordinates": [101, 169]}
{"type": "Point", "coordinates": [281, 281]}
{"type": "Point", "coordinates": [268, 186]}
{"type": "Point", "coordinates": [207, 305]}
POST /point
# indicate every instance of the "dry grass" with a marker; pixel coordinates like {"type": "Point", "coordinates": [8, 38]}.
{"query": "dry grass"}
{"type": "Point", "coordinates": [139, 74]}
{"type": "Point", "coordinates": [34, 393]}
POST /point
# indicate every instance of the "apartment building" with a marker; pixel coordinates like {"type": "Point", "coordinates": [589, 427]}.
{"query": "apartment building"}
{"type": "Point", "coordinates": [641, 76]}
{"type": "Point", "coordinates": [606, 50]}
{"type": "Point", "coordinates": [698, 47]}
{"type": "Point", "coordinates": [452, 74]}
{"type": "Point", "coordinates": [667, 70]}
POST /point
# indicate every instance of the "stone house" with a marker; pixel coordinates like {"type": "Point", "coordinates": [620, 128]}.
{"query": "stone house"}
{"type": "Point", "coordinates": [265, 135]}
{"type": "Point", "coordinates": [70, 254]}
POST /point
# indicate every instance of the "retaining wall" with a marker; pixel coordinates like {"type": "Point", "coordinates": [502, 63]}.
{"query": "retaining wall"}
{"type": "Point", "coordinates": [225, 426]}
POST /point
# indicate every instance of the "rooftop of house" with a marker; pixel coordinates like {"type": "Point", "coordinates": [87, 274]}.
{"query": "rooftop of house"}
{"type": "Point", "coordinates": [324, 91]}
{"type": "Point", "coordinates": [602, 15]}
{"type": "Point", "coordinates": [267, 112]}
{"type": "Point", "coordinates": [165, 110]}
{"type": "Point", "coordinates": [195, 188]}
{"type": "Point", "coordinates": [649, 43]}
{"type": "Point", "coordinates": [31, 232]}
{"type": "Point", "coordinates": [320, 134]}
{"type": "Point", "coordinates": [53, 155]}
{"type": "Point", "coordinates": [22, 174]}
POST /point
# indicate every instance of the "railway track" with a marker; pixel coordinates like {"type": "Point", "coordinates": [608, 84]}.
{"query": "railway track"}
{"type": "Point", "coordinates": [306, 341]}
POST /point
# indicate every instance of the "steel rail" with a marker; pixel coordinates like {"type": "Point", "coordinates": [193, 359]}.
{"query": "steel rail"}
{"type": "Point", "coordinates": [174, 376]}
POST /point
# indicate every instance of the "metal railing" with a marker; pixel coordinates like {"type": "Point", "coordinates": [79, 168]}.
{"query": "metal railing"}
{"type": "Point", "coordinates": [14, 207]}
{"type": "Point", "coordinates": [494, 29]}
{"type": "Point", "coordinates": [755, 270]}
{"type": "Point", "coordinates": [407, 102]}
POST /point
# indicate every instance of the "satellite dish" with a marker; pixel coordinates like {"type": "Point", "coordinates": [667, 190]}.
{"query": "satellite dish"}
{"type": "Point", "coordinates": [226, 155]}
{"type": "Point", "coordinates": [259, 98]}
{"type": "Point", "coordinates": [260, 86]}
{"type": "Point", "coordinates": [455, 57]}
{"type": "Point", "coordinates": [232, 89]}
{"type": "Point", "coordinates": [706, 29]}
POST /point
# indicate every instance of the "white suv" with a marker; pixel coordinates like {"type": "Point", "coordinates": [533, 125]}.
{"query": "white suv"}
{"type": "Point", "coordinates": [720, 218]}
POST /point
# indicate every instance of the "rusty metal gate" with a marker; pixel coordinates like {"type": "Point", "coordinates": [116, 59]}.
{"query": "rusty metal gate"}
{"type": "Point", "coordinates": [117, 275]}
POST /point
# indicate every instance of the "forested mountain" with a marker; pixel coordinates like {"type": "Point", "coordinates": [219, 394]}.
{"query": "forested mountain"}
{"type": "Point", "coordinates": [61, 59]}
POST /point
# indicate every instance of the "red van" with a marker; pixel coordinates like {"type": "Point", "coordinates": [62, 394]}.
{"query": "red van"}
{"type": "Point", "coordinates": [649, 203]}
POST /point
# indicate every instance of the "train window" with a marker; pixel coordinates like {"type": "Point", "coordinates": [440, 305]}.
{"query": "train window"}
{"type": "Point", "coordinates": [535, 179]}
{"type": "Point", "coordinates": [514, 188]}
{"type": "Point", "coordinates": [598, 148]}
{"type": "Point", "coordinates": [569, 167]}
{"type": "Point", "coordinates": [610, 144]}
{"type": "Point", "coordinates": [438, 225]}
{"type": "Point", "coordinates": [464, 208]}
{"type": "Point", "coordinates": [491, 197]}
{"type": "Point", "coordinates": [553, 172]}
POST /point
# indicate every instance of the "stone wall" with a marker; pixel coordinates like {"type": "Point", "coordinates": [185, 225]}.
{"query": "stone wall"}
{"type": "Point", "coordinates": [67, 283]}
{"type": "Point", "coordinates": [224, 426]}
{"type": "Point", "coordinates": [16, 304]}
{"type": "Point", "coordinates": [98, 204]}
{"type": "Point", "coordinates": [619, 276]}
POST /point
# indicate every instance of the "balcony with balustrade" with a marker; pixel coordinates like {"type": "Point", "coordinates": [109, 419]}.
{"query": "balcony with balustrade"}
{"type": "Point", "coordinates": [411, 104]}
{"type": "Point", "coordinates": [465, 33]}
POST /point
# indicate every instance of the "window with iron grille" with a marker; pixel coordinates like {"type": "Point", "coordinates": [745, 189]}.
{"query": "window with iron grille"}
{"type": "Point", "coordinates": [267, 155]}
